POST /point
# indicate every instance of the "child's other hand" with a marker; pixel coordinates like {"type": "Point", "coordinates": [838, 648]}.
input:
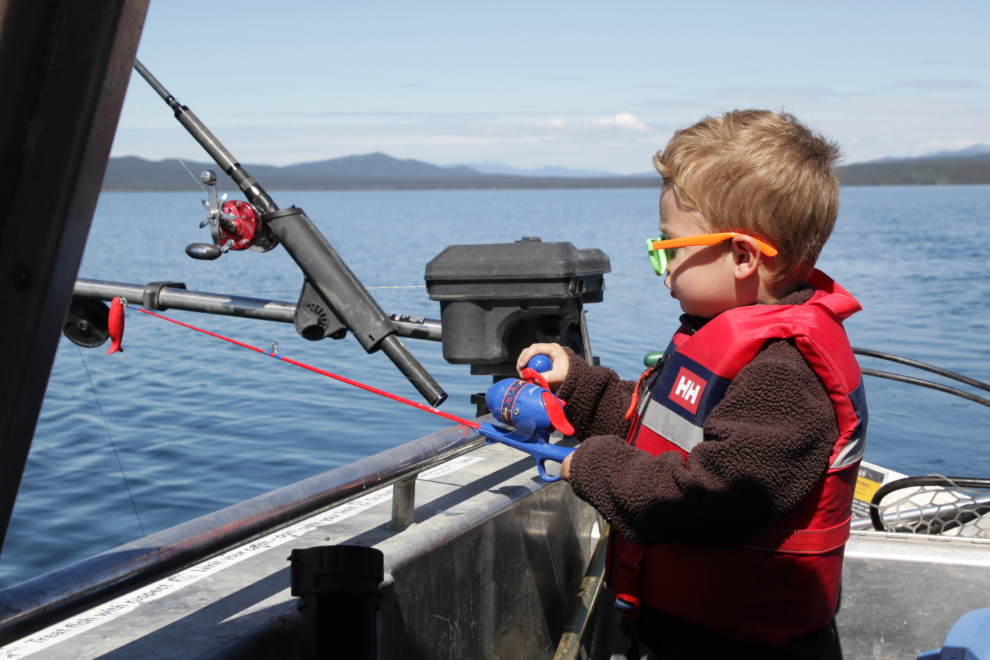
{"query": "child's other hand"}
{"type": "Point", "coordinates": [556, 354]}
{"type": "Point", "coordinates": [565, 468]}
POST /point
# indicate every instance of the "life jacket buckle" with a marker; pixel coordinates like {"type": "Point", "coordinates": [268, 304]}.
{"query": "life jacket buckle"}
{"type": "Point", "coordinates": [627, 605]}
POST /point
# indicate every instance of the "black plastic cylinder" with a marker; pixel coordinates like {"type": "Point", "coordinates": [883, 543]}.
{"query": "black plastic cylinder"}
{"type": "Point", "coordinates": [331, 277]}
{"type": "Point", "coordinates": [339, 598]}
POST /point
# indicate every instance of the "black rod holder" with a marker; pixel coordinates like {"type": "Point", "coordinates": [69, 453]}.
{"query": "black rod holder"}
{"type": "Point", "coordinates": [345, 295]}
{"type": "Point", "coordinates": [336, 284]}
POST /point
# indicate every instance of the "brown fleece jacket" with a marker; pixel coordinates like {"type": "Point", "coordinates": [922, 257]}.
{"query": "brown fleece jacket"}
{"type": "Point", "coordinates": [766, 445]}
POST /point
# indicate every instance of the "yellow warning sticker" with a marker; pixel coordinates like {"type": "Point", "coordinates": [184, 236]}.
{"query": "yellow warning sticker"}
{"type": "Point", "coordinates": [866, 489]}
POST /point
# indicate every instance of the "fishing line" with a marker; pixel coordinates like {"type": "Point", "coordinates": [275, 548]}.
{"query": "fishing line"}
{"type": "Point", "coordinates": [302, 365]}
{"type": "Point", "coordinates": [114, 446]}
{"type": "Point", "coordinates": [274, 342]}
{"type": "Point", "coordinates": [237, 293]}
{"type": "Point", "coordinates": [410, 286]}
{"type": "Point", "coordinates": [195, 178]}
{"type": "Point", "coordinates": [407, 286]}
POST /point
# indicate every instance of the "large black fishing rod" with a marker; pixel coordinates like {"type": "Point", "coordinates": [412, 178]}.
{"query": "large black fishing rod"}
{"type": "Point", "coordinates": [326, 273]}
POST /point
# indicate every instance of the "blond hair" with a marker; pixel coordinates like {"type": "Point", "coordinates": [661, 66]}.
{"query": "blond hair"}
{"type": "Point", "coordinates": [761, 173]}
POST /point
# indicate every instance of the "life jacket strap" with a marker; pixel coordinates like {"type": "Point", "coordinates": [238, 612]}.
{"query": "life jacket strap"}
{"type": "Point", "coordinates": [635, 397]}
{"type": "Point", "coordinates": [803, 541]}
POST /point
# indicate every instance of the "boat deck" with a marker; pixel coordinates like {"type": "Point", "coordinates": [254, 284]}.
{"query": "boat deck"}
{"type": "Point", "coordinates": [901, 593]}
{"type": "Point", "coordinates": [489, 569]}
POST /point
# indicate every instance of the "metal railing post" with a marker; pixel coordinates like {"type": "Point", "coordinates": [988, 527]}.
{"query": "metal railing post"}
{"type": "Point", "coordinates": [403, 503]}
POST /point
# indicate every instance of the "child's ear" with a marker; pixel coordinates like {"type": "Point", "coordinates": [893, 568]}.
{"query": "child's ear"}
{"type": "Point", "coordinates": [745, 256]}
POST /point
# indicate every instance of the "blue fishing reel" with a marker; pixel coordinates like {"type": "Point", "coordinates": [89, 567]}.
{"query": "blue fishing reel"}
{"type": "Point", "coordinates": [535, 413]}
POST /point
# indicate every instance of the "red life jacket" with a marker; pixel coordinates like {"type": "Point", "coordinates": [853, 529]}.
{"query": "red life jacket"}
{"type": "Point", "coordinates": [784, 581]}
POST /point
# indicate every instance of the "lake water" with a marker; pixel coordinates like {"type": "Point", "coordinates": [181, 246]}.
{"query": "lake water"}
{"type": "Point", "coordinates": [200, 424]}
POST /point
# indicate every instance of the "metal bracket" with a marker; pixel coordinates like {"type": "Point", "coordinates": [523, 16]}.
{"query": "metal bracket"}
{"type": "Point", "coordinates": [153, 292]}
{"type": "Point", "coordinates": [315, 318]}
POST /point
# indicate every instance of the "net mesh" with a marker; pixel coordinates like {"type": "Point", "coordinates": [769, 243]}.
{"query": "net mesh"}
{"type": "Point", "coordinates": [949, 506]}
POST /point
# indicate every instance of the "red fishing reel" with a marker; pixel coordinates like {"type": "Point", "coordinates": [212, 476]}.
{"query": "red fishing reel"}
{"type": "Point", "coordinates": [234, 225]}
{"type": "Point", "coordinates": [238, 226]}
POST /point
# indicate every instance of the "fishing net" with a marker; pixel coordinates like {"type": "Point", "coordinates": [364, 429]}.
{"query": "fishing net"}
{"type": "Point", "coordinates": [950, 506]}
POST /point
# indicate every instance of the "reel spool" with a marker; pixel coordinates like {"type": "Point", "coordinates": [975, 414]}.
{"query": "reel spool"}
{"type": "Point", "coordinates": [529, 407]}
{"type": "Point", "coordinates": [234, 225]}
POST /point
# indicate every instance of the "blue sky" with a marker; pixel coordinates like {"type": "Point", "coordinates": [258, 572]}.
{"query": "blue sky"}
{"type": "Point", "coordinates": [575, 84]}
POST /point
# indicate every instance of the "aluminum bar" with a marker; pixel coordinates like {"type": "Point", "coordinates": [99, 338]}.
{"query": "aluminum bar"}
{"type": "Point", "coordinates": [30, 606]}
{"type": "Point", "coordinates": [584, 606]}
{"type": "Point", "coordinates": [191, 301]}
{"type": "Point", "coordinates": [413, 327]}
{"type": "Point", "coordinates": [416, 327]}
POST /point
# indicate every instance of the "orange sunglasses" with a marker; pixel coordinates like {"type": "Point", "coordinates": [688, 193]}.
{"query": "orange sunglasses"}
{"type": "Point", "coordinates": [663, 249]}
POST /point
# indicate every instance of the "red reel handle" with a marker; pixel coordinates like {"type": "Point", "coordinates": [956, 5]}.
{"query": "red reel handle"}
{"type": "Point", "coordinates": [535, 377]}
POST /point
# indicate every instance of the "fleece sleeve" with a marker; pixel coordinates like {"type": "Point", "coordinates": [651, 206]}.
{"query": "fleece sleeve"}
{"type": "Point", "coordinates": [597, 399]}
{"type": "Point", "coordinates": [765, 447]}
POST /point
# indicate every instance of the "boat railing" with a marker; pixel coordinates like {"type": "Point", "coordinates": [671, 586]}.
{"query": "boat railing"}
{"type": "Point", "coordinates": [31, 605]}
{"type": "Point", "coordinates": [173, 295]}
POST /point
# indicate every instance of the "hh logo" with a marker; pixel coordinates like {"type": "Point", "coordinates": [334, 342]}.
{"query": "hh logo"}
{"type": "Point", "coordinates": [687, 390]}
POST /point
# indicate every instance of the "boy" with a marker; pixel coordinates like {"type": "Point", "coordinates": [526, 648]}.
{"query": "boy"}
{"type": "Point", "coordinates": [727, 472]}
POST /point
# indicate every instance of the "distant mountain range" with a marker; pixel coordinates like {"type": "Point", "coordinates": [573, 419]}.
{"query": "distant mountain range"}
{"type": "Point", "coordinates": [369, 171]}
{"type": "Point", "coordinates": [966, 166]}
{"type": "Point", "coordinates": [381, 171]}
{"type": "Point", "coordinates": [972, 150]}
{"type": "Point", "coordinates": [550, 171]}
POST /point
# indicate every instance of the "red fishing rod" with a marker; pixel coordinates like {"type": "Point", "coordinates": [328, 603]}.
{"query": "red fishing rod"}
{"type": "Point", "coordinates": [528, 404]}
{"type": "Point", "coordinates": [115, 327]}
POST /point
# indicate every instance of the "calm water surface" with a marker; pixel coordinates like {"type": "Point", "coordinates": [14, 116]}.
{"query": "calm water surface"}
{"type": "Point", "coordinates": [200, 424]}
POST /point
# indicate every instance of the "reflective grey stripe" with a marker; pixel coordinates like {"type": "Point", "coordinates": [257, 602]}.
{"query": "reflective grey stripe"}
{"type": "Point", "coordinates": [672, 426]}
{"type": "Point", "coordinates": [645, 401]}
{"type": "Point", "coordinates": [852, 452]}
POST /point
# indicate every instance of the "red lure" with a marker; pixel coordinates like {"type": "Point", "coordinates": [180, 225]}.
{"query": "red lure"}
{"type": "Point", "coordinates": [115, 324]}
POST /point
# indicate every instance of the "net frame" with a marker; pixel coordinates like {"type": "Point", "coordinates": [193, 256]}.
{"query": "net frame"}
{"type": "Point", "coordinates": [933, 505]}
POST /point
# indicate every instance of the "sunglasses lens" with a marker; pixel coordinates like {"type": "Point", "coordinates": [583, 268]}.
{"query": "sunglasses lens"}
{"type": "Point", "coordinates": [657, 257]}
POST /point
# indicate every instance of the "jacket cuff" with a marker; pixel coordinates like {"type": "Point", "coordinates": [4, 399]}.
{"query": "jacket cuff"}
{"type": "Point", "coordinates": [578, 372]}
{"type": "Point", "coordinates": [587, 465]}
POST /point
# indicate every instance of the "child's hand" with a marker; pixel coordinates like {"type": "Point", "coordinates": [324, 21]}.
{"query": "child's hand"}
{"type": "Point", "coordinates": [557, 355]}
{"type": "Point", "coordinates": [565, 468]}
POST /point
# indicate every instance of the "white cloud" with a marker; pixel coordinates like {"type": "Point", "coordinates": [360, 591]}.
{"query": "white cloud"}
{"type": "Point", "coordinates": [625, 120]}
{"type": "Point", "coordinates": [867, 127]}
{"type": "Point", "coordinates": [947, 145]}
